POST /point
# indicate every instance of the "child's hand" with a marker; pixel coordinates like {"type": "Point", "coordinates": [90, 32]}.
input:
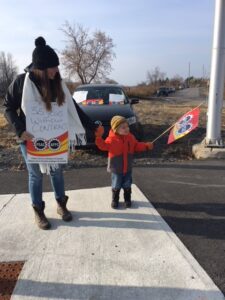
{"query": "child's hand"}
{"type": "Point", "coordinates": [150, 145]}
{"type": "Point", "coordinates": [99, 131]}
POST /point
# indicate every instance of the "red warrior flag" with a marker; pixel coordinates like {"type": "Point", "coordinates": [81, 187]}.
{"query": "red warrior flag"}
{"type": "Point", "coordinates": [184, 125]}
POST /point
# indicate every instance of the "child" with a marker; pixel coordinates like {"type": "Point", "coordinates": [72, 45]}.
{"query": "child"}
{"type": "Point", "coordinates": [121, 145]}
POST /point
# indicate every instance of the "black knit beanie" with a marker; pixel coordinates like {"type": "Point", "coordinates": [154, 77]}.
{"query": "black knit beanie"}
{"type": "Point", "coordinates": [44, 56]}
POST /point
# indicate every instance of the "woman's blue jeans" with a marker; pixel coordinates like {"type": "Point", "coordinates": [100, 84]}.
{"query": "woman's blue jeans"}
{"type": "Point", "coordinates": [36, 178]}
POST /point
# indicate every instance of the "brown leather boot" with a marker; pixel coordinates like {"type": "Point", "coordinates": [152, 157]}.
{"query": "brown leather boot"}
{"type": "Point", "coordinates": [40, 218]}
{"type": "Point", "coordinates": [62, 209]}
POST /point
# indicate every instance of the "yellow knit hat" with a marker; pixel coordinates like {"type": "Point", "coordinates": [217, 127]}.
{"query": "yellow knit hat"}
{"type": "Point", "coordinates": [117, 121]}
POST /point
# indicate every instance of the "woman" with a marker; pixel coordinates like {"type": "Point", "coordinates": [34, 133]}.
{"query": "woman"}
{"type": "Point", "coordinates": [42, 85]}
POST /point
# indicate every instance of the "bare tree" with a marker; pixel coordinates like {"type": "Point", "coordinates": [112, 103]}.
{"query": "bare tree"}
{"type": "Point", "coordinates": [87, 56]}
{"type": "Point", "coordinates": [176, 81]}
{"type": "Point", "coordinates": [8, 71]}
{"type": "Point", "coordinates": [155, 77]}
{"type": "Point", "coordinates": [110, 81]}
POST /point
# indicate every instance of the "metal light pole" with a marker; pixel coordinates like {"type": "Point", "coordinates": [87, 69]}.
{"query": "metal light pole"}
{"type": "Point", "coordinates": [216, 89]}
{"type": "Point", "coordinates": [189, 73]}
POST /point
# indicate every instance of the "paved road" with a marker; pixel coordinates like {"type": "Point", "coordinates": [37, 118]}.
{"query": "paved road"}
{"type": "Point", "coordinates": [190, 197]}
{"type": "Point", "coordinates": [189, 93]}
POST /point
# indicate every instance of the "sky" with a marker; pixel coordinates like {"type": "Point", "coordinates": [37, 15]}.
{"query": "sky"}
{"type": "Point", "coordinates": [168, 34]}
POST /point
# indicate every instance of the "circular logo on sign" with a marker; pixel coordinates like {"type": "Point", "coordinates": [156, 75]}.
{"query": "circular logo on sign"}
{"type": "Point", "coordinates": [40, 144]}
{"type": "Point", "coordinates": [184, 125]}
{"type": "Point", "coordinates": [54, 144]}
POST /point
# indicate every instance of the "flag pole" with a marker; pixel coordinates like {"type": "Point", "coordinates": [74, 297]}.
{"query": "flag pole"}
{"type": "Point", "coordinates": [164, 132]}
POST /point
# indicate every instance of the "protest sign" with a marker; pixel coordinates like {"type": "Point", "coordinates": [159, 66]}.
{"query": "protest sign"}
{"type": "Point", "coordinates": [50, 131]}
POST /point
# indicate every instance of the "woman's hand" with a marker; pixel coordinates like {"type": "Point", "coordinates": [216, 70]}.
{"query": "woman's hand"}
{"type": "Point", "coordinates": [149, 145]}
{"type": "Point", "coordinates": [26, 136]}
{"type": "Point", "coordinates": [99, 131]}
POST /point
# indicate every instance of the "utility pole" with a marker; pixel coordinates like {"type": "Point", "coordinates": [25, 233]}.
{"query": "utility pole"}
{"type": "Point", "coordinates": [216, 88]}
{"type": "Point", "coordinates": [212, 146]}
{"type": "Point", "coordinates": [189, 73]}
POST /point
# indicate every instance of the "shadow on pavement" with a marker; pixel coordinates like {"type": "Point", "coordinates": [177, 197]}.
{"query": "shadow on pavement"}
{"type": "Point", "coordinates": [113, 219]}
{"type": "Point", "coordinates": [53, 290]}
{"type": "Point", "coordinates": [210, 208]}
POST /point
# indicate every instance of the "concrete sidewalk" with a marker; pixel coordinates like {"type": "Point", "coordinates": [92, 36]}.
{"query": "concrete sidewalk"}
{"type": "Point", "coordinates": [102, 254]}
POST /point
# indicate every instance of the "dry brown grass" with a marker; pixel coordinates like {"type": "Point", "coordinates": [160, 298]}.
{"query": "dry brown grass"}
{"type": "Point", "coordinates": [6, 134]}
{"type": "Point", "coordinates": [2, 118]}
{"type": "Point", "coordinates": [161, 113]}
{"type": "Point", "coordinates": [141, 91]}
{"type": "Point", "coordinates": [10, 157]}
{"type": "Point", "coordinates": [164, 113]}
{"type": "Point", "coordinates": [3, 121]}
{"type": "Point", "coordinates": [4, 127]}
{"type": "Point", "coordinates": [157, 116]}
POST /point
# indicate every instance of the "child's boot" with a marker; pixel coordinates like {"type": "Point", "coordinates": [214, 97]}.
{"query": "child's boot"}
{"type": "Point", "coordinates": [115, 198]}
{"type": "Point", "coordinates": [127, 197]}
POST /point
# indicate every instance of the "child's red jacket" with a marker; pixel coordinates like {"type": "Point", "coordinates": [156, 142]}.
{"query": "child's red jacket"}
{"type": "Point", "coordinates": [120, 151]}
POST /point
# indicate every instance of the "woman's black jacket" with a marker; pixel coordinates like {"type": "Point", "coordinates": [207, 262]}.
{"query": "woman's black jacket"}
{"type": "Point", "coordinates": [15, 115]}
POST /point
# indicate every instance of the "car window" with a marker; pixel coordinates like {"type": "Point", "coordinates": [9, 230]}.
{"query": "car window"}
{"type": "Point", "coordinates": [99, 96]}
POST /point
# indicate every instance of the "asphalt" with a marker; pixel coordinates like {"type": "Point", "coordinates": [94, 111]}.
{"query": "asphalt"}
{"type": "Point", "coordinates": [189, 196]}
